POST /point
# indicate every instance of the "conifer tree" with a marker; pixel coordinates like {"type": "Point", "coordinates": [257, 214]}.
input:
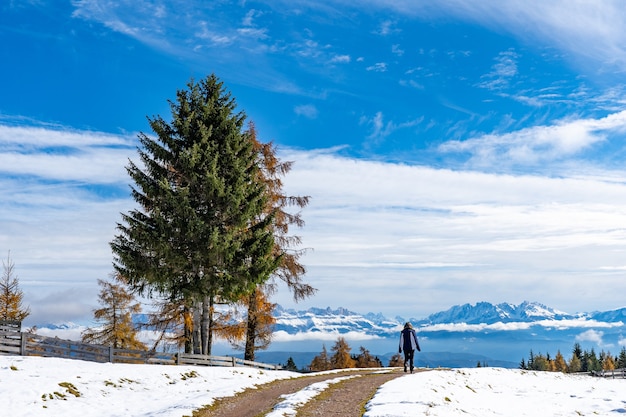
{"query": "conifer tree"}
{"type": "Point", "coordinates": [341, 358]}
{"type": "Point", "coordinates": [202, 233]}
{"type": "Point", "coordinates": [11, 296]}
{"type": "Point", "coordinates": [607, 362]}
{"type": "Point", "coordinates": [259, 323]}
{"type": "Point", "coordinates": [396, 361]}
{"type": "Point", "coordinates": [291, 365]}
{"type": "Point", "coordinates": [621, 359]}
{"type": "Point", "coordinates": [577, 351]}
{"type": "Point", "coordinates": [321, 362]}
{"type": "Point", "coordinates": [286, 251]}
{"type": "Point", "coordinates": [574, 364]}
{"type": "Point", "coordinates": [559, 363]}
{"type": "Point", "coordinates": [169, 320]}
{"type": "Point", "coordinates": [365, 360]}
{"type": "Point", "coordinates": [115, 318]}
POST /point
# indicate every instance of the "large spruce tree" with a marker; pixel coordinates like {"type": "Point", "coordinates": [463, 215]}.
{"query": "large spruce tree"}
{"type": "Point", "coordinates": [202, 233]}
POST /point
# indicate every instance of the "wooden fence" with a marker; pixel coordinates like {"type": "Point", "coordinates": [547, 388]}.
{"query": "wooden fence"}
{"type": "Point", "coordinates": [27, 344]}
{"type": "Point", "coordinates": [613, 373]}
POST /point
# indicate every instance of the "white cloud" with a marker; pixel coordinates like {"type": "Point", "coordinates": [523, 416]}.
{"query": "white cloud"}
{"type": "Point", "coordinates": [585, 29]}
{"type": "Point", "coordinates": [340, 59]}
{"type": "Point", "coordinates": [591, 336]}
{"type": "Point", "coordinates": [64, 154]}
{"type": "Point", "coordinates": [381, 130]}
{"type": "Point", "coordinates": [387, 27]}
{"type": "Point", "coordinates": [539, 144]}
{"type": "Point", "coordinates": [330, 336]}
{"type": "Point", "coordinates": [502, 71]}
{"type": "Point", "coordinates": [444, 236]}
{"type": "Point", "coordinates": [307, 110]}
{"type": "Point", "coordinates": [378, 67]}
{"type": "Point", "coordinates": [396, 50]}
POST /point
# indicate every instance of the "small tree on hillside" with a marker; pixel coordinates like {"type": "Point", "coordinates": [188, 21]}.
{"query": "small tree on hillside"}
{"type": "Point", "coordinates": [115, 317]}
{"type": "Point", "coordinates": [11, 296]}
{"type": "Point", "coordinates": [396, 361]}
{"type": "Point", "coordinates": [559, 362]}
{"type": "Point", "coordinates": [321, 362]}
{"type": "Point", "coordinates": [366, 360]}
{"type": "Point", "coordinates": [608, 363]}
{"type": "Point", "coordinates": [621, 359]}
{"type": "Point", "coordinates": [291, 365]}
{"type": "Point", "coordinates": [574, 364]}
{"type": "Point", "coordinates": [341, 358]}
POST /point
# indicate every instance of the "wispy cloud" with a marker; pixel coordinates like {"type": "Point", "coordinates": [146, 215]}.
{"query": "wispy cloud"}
{"type": "Point", "coordinates": [502, 71]}
{"type": "Point", "coordinates": [539, 144]}
{"type": "Point", "coordinates": [307, 110]}
{"type": "Point", "coordinates": [584, 29]}
{"type": "Point", "coordinates": [387, 27]}
{"type": "Point", "coordinates": [381, 130]}
{"type": "Point", "coordinates": [340, 59]}
{"type": "Point", "coordinates": [396, 50]}
{"type": "Point", "coordinates": [378, 67]}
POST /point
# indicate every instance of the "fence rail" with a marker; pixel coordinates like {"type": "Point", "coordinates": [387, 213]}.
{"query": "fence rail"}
{"type": "Point", "coordinates": [613, 373]}
{"type": "Point", "coordinates": [28, 344]}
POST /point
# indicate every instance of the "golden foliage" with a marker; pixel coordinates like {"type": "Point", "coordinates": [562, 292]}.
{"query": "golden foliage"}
{"type": "Point", "coordinates": [11, 296]}
{"type": "Point", "coordinates": [115, 317]}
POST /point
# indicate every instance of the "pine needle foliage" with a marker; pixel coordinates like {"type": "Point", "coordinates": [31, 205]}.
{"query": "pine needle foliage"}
{"type": "Point", "coordinates": [286, 249]}
{"type": "Point", "coordinates": [321, 362]}
{"type": "Point", "coordinates": [341, 358]}
{"type": "Point", "coordinates": [202, 234]}
{"type": "Point", "coordinates": [11, 296]}
{"type": "Point", "coordinates": [115, 318]}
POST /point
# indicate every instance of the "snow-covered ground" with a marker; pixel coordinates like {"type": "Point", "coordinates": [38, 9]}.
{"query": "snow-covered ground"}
{"type": "Point", "coordinates": [485, 392]}
{"type": "Point", "coordinates": [33, 386]}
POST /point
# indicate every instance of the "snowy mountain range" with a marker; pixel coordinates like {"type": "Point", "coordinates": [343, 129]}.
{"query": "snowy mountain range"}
{"type": "Point", "coordinates": [474, 317]}
{"type": "Point", "coordinates": [499, 334]}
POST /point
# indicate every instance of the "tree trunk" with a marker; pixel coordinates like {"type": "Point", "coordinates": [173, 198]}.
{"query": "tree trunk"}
{"type": "Point", "coordinates": [251, 329]}
{"type": "Point", "coordinates": [207, 324]}
{"type": "Point", "coordinates": [188, 329]}
{"type": "Point", "coordinates": [197, 328]}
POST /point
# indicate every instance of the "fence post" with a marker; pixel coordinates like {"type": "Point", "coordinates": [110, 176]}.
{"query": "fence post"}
{"type": "Point", "coordinates": [234, 361]}
{"type": "Point", "coordinates": [22, 344]}
{"type": "Point", "coordinates": [111, 354]}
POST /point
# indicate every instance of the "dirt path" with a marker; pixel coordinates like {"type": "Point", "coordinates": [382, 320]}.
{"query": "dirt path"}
{"type": "Point", "coordinates": [345, 398]}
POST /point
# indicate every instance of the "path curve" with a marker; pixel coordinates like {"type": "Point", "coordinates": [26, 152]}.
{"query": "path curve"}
{"type": "Point", "coordinates": [345, 398]}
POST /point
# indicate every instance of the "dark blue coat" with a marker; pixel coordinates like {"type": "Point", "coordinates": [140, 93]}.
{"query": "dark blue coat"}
{"type": "Point", "coordinates": [408, 340]}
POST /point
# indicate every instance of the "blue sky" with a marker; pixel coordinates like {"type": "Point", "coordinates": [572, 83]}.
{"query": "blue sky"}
{"type": "Point", "coordinates": [455, 151]}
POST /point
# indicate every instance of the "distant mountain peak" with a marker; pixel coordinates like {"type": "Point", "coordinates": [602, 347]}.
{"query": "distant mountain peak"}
{"type": "Point", "coordinates": [484, 312]}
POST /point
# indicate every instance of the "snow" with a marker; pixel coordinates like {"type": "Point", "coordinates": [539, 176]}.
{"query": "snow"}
{"type": "Point", "coordinates": [288, 407]}
{"type": "Point", "coordinates": [488, 392]}
{"type": "Point", "coordinates": [28, 386]}
{"type": "Point", "coordinates": [34, 386]}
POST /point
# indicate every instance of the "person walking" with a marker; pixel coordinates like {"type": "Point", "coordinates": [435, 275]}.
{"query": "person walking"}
{"type": "Point", "coordinates": [408, 343]}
